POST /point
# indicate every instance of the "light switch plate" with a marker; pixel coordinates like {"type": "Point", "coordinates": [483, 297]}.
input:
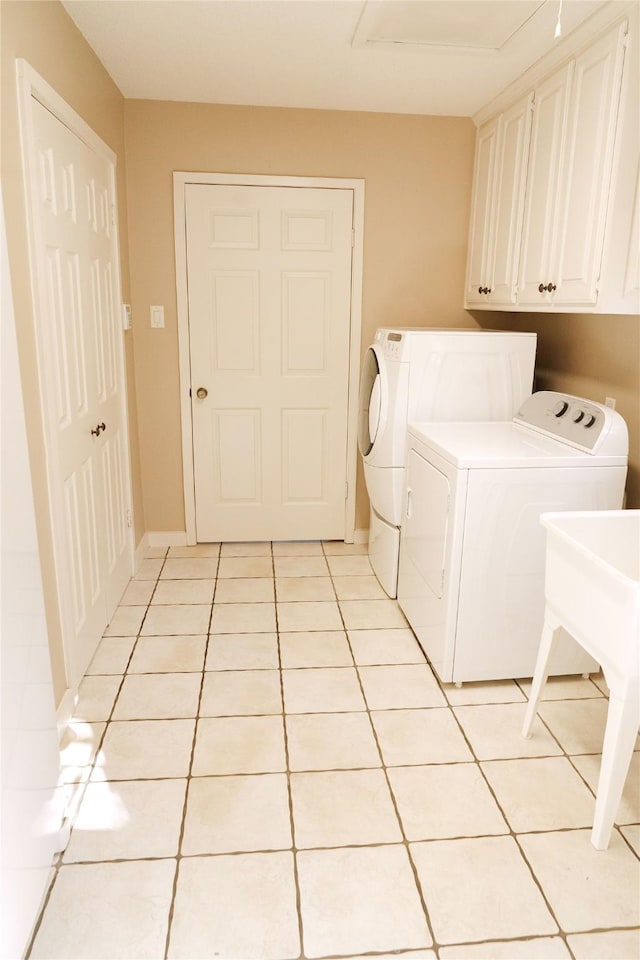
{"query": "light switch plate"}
{"type": "Point", "coordinates": [157, 316]}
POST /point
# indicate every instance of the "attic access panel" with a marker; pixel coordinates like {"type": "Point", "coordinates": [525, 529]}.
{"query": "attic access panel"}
{"type": "Point", "coordinates": [478, 25]}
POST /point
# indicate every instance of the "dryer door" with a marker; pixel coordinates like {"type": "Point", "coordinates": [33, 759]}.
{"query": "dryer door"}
{"type": "Point", "coordinates": [427, 588]}
{"type": "Point", "coordinates": [372, 401]}
{"type": "Point", "coordinates": [426, 521]}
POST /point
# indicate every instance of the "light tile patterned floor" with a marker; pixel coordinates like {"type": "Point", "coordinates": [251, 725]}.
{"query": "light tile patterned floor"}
{"type": "Point", "coordinates": [262, 765]}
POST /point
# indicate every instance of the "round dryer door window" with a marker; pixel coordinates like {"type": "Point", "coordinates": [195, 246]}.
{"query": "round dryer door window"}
{"type": "Point", "coordinates": [369, 403]}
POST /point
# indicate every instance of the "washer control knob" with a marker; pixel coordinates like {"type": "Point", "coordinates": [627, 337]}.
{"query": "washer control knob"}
{"type": "Point", "coordinates": [560, 408]}
{"type": "Point", "coordinates": [578, 416]}
{"type": "Point", "coordinates": [589, 422]}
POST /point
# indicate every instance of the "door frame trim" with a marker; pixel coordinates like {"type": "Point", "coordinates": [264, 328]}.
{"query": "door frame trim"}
{"type": "Point", "coordinates": [180, 181]}
{"type": "Point", "coordinates": [31, 86]}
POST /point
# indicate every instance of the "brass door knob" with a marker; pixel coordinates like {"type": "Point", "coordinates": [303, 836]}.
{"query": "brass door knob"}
{"type": "Point", "coordinates": [202, 393]}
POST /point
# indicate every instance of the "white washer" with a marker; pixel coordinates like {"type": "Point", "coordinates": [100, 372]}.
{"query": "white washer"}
{"type": "Point", "coordinates": [428, 374]}
{"type": "Point", "coordinates": [471, 579]}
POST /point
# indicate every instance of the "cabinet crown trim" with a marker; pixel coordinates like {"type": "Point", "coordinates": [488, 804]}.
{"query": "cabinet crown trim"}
{"type": "Point", "coordinates": [583, 36]}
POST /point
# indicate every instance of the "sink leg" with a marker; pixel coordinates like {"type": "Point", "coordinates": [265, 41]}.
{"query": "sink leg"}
{"type": "Point", "coordinates": [620, 734]}
{"type": "Point", "coordinates": [547, 644]}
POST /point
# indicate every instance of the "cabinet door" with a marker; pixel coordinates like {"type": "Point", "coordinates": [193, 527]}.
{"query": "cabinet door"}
{"type": "Point", "coordinates": [631, 287]}
{"type": "Point", "coordinates": [513, 149]}
{"type": "Point", "coordinates": [480, 228]}
{"type": "Point", "coordinates": [577, 251]}
{"type": "Point", "coordinates": [542, 203]}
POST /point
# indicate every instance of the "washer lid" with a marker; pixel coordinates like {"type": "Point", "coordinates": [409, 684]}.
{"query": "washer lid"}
{"type": "Point", "coordinates": [494, 445]}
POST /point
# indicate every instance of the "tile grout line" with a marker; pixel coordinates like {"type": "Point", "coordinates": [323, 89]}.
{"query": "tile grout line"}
{"type": "Point", "coordinates": [478, 764]}
{"type": "Point", "coordinates": [601, 695]}
{"type": "Point", "coordinates": [79, 796]}
{"type": "Point", "coordinates": [189, 776]}
{"type": "Point", "coordinates": [383, 767]}
{"type": "Point", "coordinates": [511, 831]}
{"type": "Point", "coordinates": [450, 706]}
{"type": "Point", "coordinates": [294, 849]}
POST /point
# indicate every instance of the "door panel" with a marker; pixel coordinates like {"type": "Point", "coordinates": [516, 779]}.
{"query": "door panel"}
{"type": "Point", "coordinates": [542, 203]}
{"type": "Point", "coordinates": [82, 384]}
{"type": "Point", "coordinates": [594, 109]}
{"type": "Point", "coordinates": [236, 437]}
{"type": "Point", "coordinates": [515, 131]}
{"type": "Point", "coordinates": [115, 505]}
{"type": "Point", "coordinates": [304, 456]}
{"type": "Point", "coordinates": [480, 232]}
{"type": "Point", "coordinates": [305, 324]}
{"type": "Point", "coordinates": [269, 292]}
{"type": "Point", "coordinates": [234, 335]}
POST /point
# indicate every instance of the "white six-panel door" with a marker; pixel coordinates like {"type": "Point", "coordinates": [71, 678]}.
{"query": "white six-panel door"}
{"type": "Point", "coordinates": [269, 298]}
{"type": "Point", "coordinates": [81, 381]}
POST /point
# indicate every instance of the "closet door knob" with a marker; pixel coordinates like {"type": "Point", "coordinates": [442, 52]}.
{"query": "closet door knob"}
{"type": "Point", "coordinates": [202, 393]}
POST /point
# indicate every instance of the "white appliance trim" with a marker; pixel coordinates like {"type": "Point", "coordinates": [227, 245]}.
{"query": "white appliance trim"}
{"type": "Point", "coordinates": [180, 180]}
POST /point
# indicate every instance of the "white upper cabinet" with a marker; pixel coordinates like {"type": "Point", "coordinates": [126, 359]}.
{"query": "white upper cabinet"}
{"type": "Point", "coordinates": [497, 206]}
{"type": "Point", "coordinates": [553, 189]}
{"type": "Point", "coordinates": [543, 203]}
{"type": "Point", "coordinates": [480, 232]}
{"type": "Point", "coordinates": [515, 131]}
{"type": "Point", "coordinates": [569, 176]}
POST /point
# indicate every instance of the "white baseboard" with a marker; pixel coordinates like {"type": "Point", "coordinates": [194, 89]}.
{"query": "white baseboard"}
{"type": "Point", "coordinates": [140, 552]}
{"type": "Point", "coordinates": [65, 710]}
{"type": "Point", "coordinates": [178, 538]}
{"type": "Point", "coordinates": [166, 538]}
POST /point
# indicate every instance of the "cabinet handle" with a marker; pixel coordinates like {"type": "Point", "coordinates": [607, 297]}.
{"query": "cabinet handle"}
{"type": "Point", "coordinates": [409, 503]}
{"type": "Point", "coordinates": [551, 287]}
{"type": "Point", "coordinates": [541, 288]}
{"type": "Point", "coordinates": [484, 289]}
{"type": "Point", "coordinates": [99, 428]}
{"type": "Point", "coordinates": [548, 287]}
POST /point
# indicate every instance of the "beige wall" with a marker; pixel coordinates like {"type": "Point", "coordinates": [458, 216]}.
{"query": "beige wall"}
{"type": "Point", "coordinates": [418, 180]}
{"type": "Point", "coordinates": [44, 35]}
{"type": "Point", "coordinates": [589, 356]}
{"type": "Point", "coordinates": [417, 173]}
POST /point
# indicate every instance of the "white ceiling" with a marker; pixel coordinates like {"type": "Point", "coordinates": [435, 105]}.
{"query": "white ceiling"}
{"type": "Point", "coordinates": [443, 57]}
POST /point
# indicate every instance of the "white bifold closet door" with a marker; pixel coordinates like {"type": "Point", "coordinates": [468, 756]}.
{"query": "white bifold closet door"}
{"type": "Point", "coordinates": [82, 381]}
{"type": "Point", "coordinates": [269, 294]}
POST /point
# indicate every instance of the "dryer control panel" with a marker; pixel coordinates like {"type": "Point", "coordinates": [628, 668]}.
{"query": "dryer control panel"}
{"type": "Point", "coordinates": [585, 424]}
{"type": "Point", "coordinates": [392, 342]}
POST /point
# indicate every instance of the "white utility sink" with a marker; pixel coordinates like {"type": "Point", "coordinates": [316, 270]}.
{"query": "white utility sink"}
{"type": "Point", "coordinates": [592, 589]}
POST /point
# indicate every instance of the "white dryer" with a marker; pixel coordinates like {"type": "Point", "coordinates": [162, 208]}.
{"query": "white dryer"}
{"type": "Point", "coordinates": [428, 374]}
{"type": "Point", "coordinates": [471, 579]}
